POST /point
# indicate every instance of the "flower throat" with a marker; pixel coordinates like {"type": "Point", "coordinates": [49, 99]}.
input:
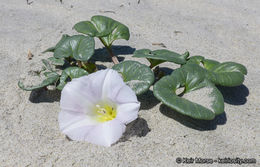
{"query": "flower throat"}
{"type": "Point", "coordinates": [105, 113]}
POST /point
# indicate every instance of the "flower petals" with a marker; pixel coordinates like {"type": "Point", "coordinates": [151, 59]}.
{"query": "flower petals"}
{"type": "Point", "coordinates": [106, 133]}
{"type": "Point", "coordinates": [79, 99]}
{"type": "Point", "coordinates": [81, 93]}
{"type": "Point", "coordinates": [94, 82]}
{"type": "Point", "coordinates": [125, 95]}
{"type": "Point", "coordinates": [128, 112]}
{"type": "Point", "coordinates": [68, 119]}
{"type": "Point", "coordinates": [73, 97]}
{"type": "Point", "coordinates": [113, 87]}
{"type": "Point", "coordinates": [112, 84]}
{"type": "Point", "coordinates": [79, 133]}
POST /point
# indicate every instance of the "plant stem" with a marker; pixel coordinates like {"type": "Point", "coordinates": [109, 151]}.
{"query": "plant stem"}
{"type": "Point", "coordinates": [113, 57]}
{"type": "Point", "coordinates": [151, 66]}
{"type": "Point", "coordinates": [79, 64]}
{"type": "Point", "coordinates": [84, 65]}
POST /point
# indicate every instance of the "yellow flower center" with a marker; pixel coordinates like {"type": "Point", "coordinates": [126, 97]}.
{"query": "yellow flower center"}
{"type": "Point", "coordinates": [105, 113]}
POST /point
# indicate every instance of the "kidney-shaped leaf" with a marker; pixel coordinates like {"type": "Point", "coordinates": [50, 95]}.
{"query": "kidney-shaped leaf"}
{"type": "Point", "coordinates": [47, 65]}
{"type": "Point", "coordinates": [224, 74]}
{"type": "Point", "coordinates": [195, 60]}
{"type": "Point", "coordinates": [52, 77]}
{"type": "Point", "coordinates": [200, 99]}
{"type": "Point", "coordinates": [136, 75]}
{"type": "Point", "coordinates": [159, 56]}
{"type": "Point", "coordinates": [52, 49]}
{"type": "Point", "coordinates": [70, 73]}
{"type": "Point", "coordinates": [57, 62]}
{"type": "Point", "coordinates": [107, 29]}
{"type": "Point", "coordinates": [227, 74]}
{"type": "Point", "coordinates": [79, 47]}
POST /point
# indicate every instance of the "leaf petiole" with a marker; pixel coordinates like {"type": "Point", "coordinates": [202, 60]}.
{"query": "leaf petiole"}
{"type": "Point", "coordinates": [84, 65]}
{"type": "Point", "coordinates": [113, 57]}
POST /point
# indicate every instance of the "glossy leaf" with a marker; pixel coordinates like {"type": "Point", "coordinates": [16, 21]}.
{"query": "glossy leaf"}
{"type": "Point", "coordinates": [154, 62]}
{"type": "Point", "coordinates": [136, 75]}
{"type": "Point", "coordinates": [52, 49]}
{"type": "Point", "coordinates": [209, 64]}
{"type": "Point", "coordinates": [105, 28]}
{"type": "Point", "coordinates": [88, 28]}
{"type": "Point", "coordinates": [159, 56]}
{"type": "Point", "coordinates": [57, 62]}
{"type": "Point", "coordinates": [52, 77]}
{"type": "Point", "coordinates": [224, 74]}
{"type": "Point", "coordinates": [79, 47]}
{"type": "Point", "coordinates": [70, 73]}
{"type": "Point", "coordinates": [195, 59]}
{"type": "Point", "coordinates": [47, 65]}
{"type": "Point", "coordinates": [49, 74]}
{"type": "Point", "coordinates": [228, 74]}
{"type": "Point", "coordinates": [193, 78]}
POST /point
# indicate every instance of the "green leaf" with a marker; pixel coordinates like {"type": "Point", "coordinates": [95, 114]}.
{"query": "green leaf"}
{"type": "Point", "coordinates": [136, 75]}
{"type": "Point", "coordinates": [49, 74]}
{"type": "Point", "coordinates": [57, 62]}
{"type": "Point", "coordinates": [79, 47]}
{"type": "Point", "coordinates": [52, 49]}
{"type": "Point", "coordinates": [90, 67]}
{"type": "Point", "coordinates": [224, 74]}
{"type": "Point", "coordinates": [107, 29]}
{"type": "Point", "coordinates": [200, 100]}
{"type": "Point", "coordinates": [227, 74]}
{"type": "Point", "coordinates": [52, 77]}
{"type": "Point", "coordinates": [228, 67]}
{"type": "Point", "coordinates": [47, 64]}
{"type": "Point", "coordinates": [159, 56]}
{"type": "Point", "coordinates": [88, 28]}
{"type": "Point", "coordinates": [209, 64]}
{"type": "Point", "coordinates": [154, 62]}
{"type": "Point", "coordinates": [70, 73]}
{"type": "Point", "coordinates": [195, 59]}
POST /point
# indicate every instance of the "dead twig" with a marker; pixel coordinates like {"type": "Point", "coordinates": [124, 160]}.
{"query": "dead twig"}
{"type": "Point", "coordinates": [30, 55]}
{"type": "Point", "coordinates": [107, 11]}
{"type": "Point", "coordinates": [177, 32]}
{"type": "Point", "coordinates": [159, 44]}
{"type": "Point", "coordinates": [29, 3]}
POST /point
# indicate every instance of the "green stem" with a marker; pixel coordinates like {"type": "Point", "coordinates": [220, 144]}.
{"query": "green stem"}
{"type": "Point", "coordinates": [151, 66]}
{"type": "Point", "coordinates": [84, 65]}
{"type": "Point", "coordinates": [113, 57]}
{"type": "Point", "coordinates": [79, 64]}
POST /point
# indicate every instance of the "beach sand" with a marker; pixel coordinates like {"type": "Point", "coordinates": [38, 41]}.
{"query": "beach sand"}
{"type": "Point", "coordinates": [220, 30]}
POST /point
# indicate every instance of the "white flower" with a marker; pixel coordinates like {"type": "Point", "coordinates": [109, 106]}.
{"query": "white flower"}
{"type": "Point", "coordinates": [96, 108]}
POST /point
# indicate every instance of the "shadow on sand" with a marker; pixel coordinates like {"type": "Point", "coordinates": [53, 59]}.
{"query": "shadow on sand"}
{"type": "Point", "coordinates": [147, 100]}
{"type": "Point", "coordinates": [202, 125]}
{"type": "Point", "coordinates": [103, 56]}
{"type": "Point", "coordinates": [234, 95]}
{"type": "Point", "coordinates": [43, 95]}
{"type": "Point", "coordinates": [139, 128]}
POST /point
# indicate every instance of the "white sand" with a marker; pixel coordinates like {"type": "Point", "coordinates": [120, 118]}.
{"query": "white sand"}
{"type": "Point", "coordinates": [201, 97]}
{"type": "Point", "coordinates": [221, 30]}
